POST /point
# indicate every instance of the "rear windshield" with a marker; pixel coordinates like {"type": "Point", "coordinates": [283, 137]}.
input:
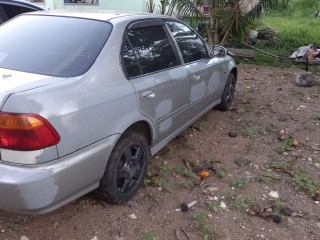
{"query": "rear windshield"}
{"type": "Point", "coordinates": [50, 45]}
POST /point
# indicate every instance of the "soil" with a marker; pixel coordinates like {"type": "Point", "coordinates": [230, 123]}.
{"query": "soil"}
{"type": "Point", "coordinates": [245, 169]}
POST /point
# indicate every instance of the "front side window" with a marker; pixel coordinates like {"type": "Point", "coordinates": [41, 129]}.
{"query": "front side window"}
{"type": "Point", "coordinates": [53, 46]}
{"type": "Point", "coordinates": [191, 46]}
{"type": "Point", "coordinates": [152, 49]}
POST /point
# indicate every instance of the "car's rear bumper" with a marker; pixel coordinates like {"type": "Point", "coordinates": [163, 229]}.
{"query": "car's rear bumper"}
{"type": "Point", "coordinates": [42, 188]}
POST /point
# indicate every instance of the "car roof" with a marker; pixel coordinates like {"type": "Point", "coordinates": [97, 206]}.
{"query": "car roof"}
{"type": "Point", "coordinates": [102, 15]}
{"type": "Point", "coordinates": [22, 3]}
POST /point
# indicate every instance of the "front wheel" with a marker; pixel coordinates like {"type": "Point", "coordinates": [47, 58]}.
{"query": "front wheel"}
{"type": "Point", "coordinates": [228, 94]}
{"type": "Point", "coordinates": [125, 169]}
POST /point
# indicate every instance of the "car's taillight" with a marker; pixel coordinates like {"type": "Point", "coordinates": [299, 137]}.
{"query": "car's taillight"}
{"type": "Point", "coordinates": [26, 132]}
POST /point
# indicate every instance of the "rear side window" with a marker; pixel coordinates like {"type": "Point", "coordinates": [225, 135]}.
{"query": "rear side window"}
{"type": "Point", "coordinates": [13, 10]}
{"type": "Point", "coordinates": [149, 49]}
{"type": "Point", "coordinates": [191, 46]}
{"type": "Point", "coordinates": [54, 46]}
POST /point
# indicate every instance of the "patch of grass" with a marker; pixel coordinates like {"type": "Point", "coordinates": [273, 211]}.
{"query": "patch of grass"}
{"type": "Point", "coordinates": [305, 181]}
{"type": "Point", "coordinates": [277, 202]}
{"type": "Point", "coordinates": [211, 159]}
{"type": "Point", "coordinates": [241, 202]}
{"type": "Point", "coordinates": [198, 126]}
{"type": "Point", "coordinates": [185, 172]}
{"type": "Point", "coordinates": [296, 92]}
{"type": "Point", "coordinates": [285, 145]}
{"type": "Point", "coordinates": [251, 131]}
{"type": "Point", "coordinates": [13, 226]}
{"type": "Point", "coordinates": [157, 176]}
{"type": "Point", "coordinates": [150, 235]}
{"type": "Point", "coordinates": [240, 182]}
{"type": "Point", "coordinates": [266, 177]}
{"type": "Point", "coordinates": [203, 227]}
{"type": "Point", "coordinates": [214, 206]}
{"type": "Point", "coordinates": [301, 178]}
{"type": "Point", "coordinates": [221, 172]}
{"type": "Point", "coordinates": [189, 143]}
{"type": "Point", "coordinates": [248, 107]}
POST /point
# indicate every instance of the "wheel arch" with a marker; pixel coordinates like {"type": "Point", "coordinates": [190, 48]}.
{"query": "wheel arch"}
{"type": "Point", "coordinates": [143, 128]}
{"type": "Point", "coordinates": [234, 71]}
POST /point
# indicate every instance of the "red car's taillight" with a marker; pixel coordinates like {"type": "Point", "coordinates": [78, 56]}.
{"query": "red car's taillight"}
{"type": "Point", "coordinates": [26, 132]}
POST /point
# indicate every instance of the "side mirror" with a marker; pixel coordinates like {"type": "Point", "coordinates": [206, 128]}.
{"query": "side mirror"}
{"type": "Point", "coordinates": [219, 51]}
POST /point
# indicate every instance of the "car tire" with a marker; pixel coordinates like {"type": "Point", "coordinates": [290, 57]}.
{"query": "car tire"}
{"type": "Point", "coordinates": [126, 169]}
{"type": "Point", "coordinates": [228, 94]}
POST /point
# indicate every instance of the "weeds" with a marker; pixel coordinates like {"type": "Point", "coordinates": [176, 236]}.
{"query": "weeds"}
{"type": "Point", "coordinates": [301, 178]}
{"type": "Point", "coordinates": [157, 177]}
{"type": "Point", "coordinates": [277, 202]}
{"type": "Point", "coordinates": [251, 131]}
{"type": "Point", "coordinates": [266, 177]}
{"type": "Point", "coordinates": [151, 235]}
{"type": "Point", "coordinates": [240, 182]}
{"type": "Point", "coordinates": [241, 202]}
{"type": "Point", "coordinates": [202, 225]}
{"type": "Point", "coordinates": [214, 206]}
{"type": "Point", "coordinates": [305, 181]}
{"type": "Point", "coordinates": [221, 172]}
{"type": "Point", "coordinates": [185, 172]}
{"type": "Point", "coordinates": [285, 145]}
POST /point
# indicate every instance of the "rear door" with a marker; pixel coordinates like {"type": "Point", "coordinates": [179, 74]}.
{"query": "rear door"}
{"type": "Point", "coordinates": [204, 71]}
{"type": "Point", "coordinates": [161, 82]}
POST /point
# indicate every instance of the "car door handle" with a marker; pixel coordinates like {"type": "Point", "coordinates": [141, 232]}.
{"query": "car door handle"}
{"type": "Point", "coordinates": [148, 95]}
{"type": "Point", "coordinates": [196, 77]}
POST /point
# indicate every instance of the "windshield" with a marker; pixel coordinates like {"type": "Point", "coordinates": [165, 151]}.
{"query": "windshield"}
{"type": "Point", "coordinates": [51, 45]}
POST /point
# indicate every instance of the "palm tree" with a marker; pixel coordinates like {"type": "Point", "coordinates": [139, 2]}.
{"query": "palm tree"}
{"type": "Point", "coordinates": [227, 17]}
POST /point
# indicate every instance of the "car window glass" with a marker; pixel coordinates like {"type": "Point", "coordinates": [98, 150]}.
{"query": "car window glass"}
{"type": "Point", "coordinates": [130, 61]}
{"type": "Point", "coordinates": [54, 46]}
{"type": "Point", "coordinates": [191, 46]}
{"type": "Point", "coordinates": [13, 10]}
{"type": "Point", "coordinates": [152, 48]}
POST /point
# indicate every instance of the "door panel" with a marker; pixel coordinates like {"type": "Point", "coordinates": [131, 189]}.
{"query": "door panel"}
{"type": "Point", "coordinates": [164, 97]}
{"type": "Point", "coordinates": [204, 72]}
{"type": "Point", "coordinates": [162, 84]}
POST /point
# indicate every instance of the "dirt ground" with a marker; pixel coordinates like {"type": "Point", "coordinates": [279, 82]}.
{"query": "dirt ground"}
{"type": "Point", "coordinates": [258, 186]}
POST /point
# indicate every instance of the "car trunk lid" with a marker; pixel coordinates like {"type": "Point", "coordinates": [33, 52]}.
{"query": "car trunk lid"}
{"type": "Point", "coordinates": [14, 81]}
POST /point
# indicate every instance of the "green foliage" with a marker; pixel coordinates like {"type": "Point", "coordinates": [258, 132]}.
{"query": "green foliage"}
{"type": "Point", "coordinates": [302, 179]}
{"type": "Point", "coordinates": [284, 145]}
{"type": "Point", "coordinates": [241, 202]}
{"type": "Point", "coordinates": [221, 172]}
{"type": "Point", "coordinates": [157, 176]}
{"type": "Point", "coordinates": [202, 225]}
{"type": "Point", "coordinates": [266, 177]}
{"type": "Point", "coordinates": [251, 131]}
{"type": "Point", "coordinates": [151, 235]}
{"type": "Point", "coordinates": [214, 206]}
{"type": "Point", "coordinates": [240, 182]}
{"type": "Point", "coordinates": [305, 181]}
{"type": "Point", "coordinates": [185, 172]}
{"type": "Point", "coordinates": [277, 202]}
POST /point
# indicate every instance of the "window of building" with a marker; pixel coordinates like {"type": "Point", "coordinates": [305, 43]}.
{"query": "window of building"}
{"type": "Point", "coordinates": [82, 1]}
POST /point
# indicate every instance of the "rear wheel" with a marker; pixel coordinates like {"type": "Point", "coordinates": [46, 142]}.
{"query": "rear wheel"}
{"type": "Point", "coordinates": [228, 94]}
{"type": "Point", "coordinates": [125, 169]}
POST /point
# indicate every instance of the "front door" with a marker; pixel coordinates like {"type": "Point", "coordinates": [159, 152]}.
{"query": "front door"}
{"type": "Point", "coordinates": [204, 72]}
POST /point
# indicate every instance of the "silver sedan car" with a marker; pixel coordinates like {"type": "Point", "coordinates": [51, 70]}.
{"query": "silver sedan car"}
{"type": "Point", "coordinates": [87, 98]}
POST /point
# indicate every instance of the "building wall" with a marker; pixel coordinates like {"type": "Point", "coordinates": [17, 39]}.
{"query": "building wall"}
{"type": "Point", "coordinates": [129, 5]}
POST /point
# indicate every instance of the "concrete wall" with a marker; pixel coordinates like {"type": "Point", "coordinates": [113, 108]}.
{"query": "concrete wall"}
{"type": "Point", "coordinates": [129, 5]}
